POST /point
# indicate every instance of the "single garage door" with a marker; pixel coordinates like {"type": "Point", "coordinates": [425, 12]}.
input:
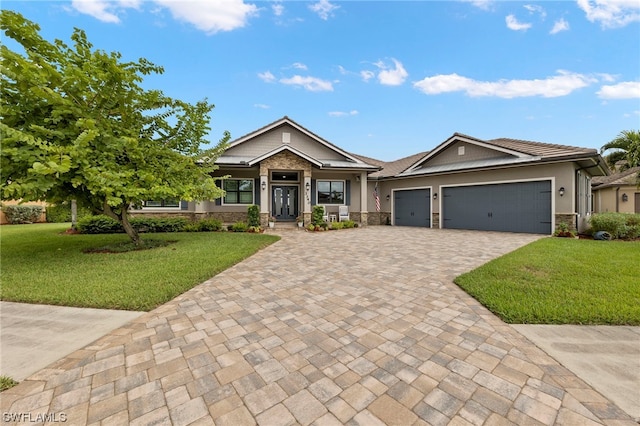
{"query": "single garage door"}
{"type": "Point", "coordinates": [412, 207]}
{"type": "Point", "coordinates": [509, 207]}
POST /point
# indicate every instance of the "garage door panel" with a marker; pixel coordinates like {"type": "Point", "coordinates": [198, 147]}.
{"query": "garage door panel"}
{"type": "Point", "coordinates": [510, 207]}
{"type": "Point", "coordinates": [412, 207]}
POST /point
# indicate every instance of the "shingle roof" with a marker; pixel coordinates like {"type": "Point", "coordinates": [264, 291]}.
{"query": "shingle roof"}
{"type": "Point", "coordinates": [627, 177]}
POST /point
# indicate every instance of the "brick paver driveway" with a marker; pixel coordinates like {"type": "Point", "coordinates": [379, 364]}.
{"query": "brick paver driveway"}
{"type": "Point", "coordinates": [361, 327]}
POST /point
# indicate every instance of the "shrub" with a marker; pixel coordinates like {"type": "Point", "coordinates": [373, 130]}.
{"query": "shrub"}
{"type": "Point", "coordinates": [100, 224]}
{"type": "Point", "coordinates": [619, 225]}
{"type": "Point", "coordinates": [337, 225]}
{"type": "Point", "coordinates": [209, 225]}
{"type": "Point", "coordinates": [253, 215]}
{"type": "Point", "coordinates": [154, 224]}
{"type": "Point", "coordinates": [191, 227]}
{"type": "Point", "coordinates": [316, 215]}
{"type": "Point", "coordinates": [349, 224]}
{"type": "Point", "coordinates": [22, 214]}
{"type": "Point", "coordinates": [239, 227]}
{"type": "Point", "coordinates": [61, 213]}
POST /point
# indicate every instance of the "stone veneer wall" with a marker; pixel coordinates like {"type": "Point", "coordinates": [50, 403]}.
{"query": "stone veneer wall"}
{"type": "Point", "coordinates": [568, 218]}
{"type": "Point", "coordinates": [435, 220]}
{"type": "Point", "coordinates": [285, 160]}
{"type": "Point", "coordinates": [378, 218]}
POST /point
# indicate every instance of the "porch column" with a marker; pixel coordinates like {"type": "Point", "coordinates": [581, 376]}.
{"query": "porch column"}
{"type": "Point", "coordinates": [306, 189]}
{"type": "Point", "coordinates": [363, 198]}
{"type": "Point", "coordinates": [264, 195]}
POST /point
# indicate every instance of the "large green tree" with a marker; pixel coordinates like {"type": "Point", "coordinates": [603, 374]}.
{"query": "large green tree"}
{"type": "Point", "coordinates": [624, 147]}
{"type": "Point", "coordinates": [76, 124]}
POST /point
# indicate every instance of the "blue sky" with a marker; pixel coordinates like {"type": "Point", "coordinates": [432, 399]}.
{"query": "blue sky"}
{"type": "Point", "coordinates": [385, 79]}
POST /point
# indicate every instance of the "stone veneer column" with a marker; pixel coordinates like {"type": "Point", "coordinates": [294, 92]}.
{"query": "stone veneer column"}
{"type": "Point", "coordinates": [363, 198]}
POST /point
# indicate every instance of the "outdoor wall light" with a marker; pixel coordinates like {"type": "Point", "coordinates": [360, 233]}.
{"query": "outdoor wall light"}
{"type": "Point", "coordinates": [561, 190]}
{"type": "Point", "coordinates": [435, 195]}
{"type": "Point", "coordinates": [264, 185]}
{"type": "Point", "coordinates": [625, 197]}
{"type": "Point", "coordinates": [388, 197]}
{"type": "Point", "coordinates": [307, 186]}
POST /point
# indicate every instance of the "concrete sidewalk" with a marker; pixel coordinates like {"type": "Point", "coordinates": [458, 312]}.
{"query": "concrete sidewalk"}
{"type": "Point", "coordinates": [358, 327]}
{"type": "Point", "coordinates": [606, 357]}
{"type": "Point", "coordinates": [34, 336]}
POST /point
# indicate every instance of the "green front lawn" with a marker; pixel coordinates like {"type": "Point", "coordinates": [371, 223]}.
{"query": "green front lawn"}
{"type": "Point", "coordinates": [42, 265]}
{"type": "Point", "coordinates": [561, 281]}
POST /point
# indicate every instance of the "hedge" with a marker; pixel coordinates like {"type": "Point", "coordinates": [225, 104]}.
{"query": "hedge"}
{"type": "Point", "coordinates": [619, 225]}
{"type": "Point", "coordinates": [22, 214]}
{"type": "Point", "coordinates": [102, 224]}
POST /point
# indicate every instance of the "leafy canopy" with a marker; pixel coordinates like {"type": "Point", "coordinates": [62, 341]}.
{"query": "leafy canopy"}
{"type": "Point", "coordinates": [76, 124]}
{"type": "Point", "coordinates": [624, 147]}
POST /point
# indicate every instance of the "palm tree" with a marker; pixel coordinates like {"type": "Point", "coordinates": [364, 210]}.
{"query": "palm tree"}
{"type": "Point", "coordinates": [626, 147]}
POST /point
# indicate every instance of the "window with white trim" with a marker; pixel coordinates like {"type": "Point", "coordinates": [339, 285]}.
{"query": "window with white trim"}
{"type": "Point", "coordinates": [330, 191]}
{"type": "Point", "coordinates": [238, 191]}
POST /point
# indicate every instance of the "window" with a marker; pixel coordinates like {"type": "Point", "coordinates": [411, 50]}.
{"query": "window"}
{"type": "Point", "coordinates": [238, 191]}
{"type": "Point", "coordinates": [330, 191]}
{"type": "Point", "coordinates": [161, 203]}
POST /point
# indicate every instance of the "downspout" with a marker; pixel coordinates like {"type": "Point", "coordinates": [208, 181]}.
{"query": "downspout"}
{"type": "Point", "coordinates": [617, 200]}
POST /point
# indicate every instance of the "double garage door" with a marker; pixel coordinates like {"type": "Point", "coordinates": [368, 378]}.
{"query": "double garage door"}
{"type": "Point", "coordinates": [509, 207]}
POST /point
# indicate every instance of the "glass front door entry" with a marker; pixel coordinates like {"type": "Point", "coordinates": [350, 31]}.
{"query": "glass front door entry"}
{"type": "Point", "coordinates": [284, 205]}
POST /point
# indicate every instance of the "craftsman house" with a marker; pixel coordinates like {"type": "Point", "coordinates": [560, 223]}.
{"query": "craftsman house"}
{"type": "Point", "coordinates": [464, 183]}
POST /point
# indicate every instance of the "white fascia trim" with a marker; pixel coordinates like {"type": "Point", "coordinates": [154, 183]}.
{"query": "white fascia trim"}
{"type": "Point", "coordinates": [287, 148]}
{"type": "Point", "coordinates": [458, 138]}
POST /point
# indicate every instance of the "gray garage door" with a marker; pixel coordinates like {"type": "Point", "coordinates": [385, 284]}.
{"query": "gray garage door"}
{"type": "Point", "coordinates": [412, 207]}
{"type": "Point", "coordinates": [509, 207]}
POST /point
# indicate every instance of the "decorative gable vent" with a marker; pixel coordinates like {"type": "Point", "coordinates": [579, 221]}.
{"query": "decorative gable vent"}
{"type": "Point", "coordinates": [461, 150]}
{"type": "Point", "coordinates": [286, 137]}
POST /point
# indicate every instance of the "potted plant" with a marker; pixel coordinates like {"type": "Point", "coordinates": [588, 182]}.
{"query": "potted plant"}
{"type": "Point", "coordinates": [562, 230]}
{"type": "Point", "coordinates": [300, 221]}
{"type": "Point", "coordinates": [272, 222]}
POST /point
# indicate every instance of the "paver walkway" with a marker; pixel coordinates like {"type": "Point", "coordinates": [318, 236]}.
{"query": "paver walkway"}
{"type": "Point", "coordinates": [358, 327]}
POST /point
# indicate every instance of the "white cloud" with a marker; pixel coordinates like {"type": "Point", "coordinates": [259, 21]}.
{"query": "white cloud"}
{"type": "Point", "coordinates": [611, 13]}
{"type": "Point", "coordinates": [561, 84]}
{"type": "Point", "coordinates": [299, 66]}
{"type": "Point", "coordinates": [559, 25]}
{"type": "Point", "coordinates": [632, 114]}
{"type": "Point", "coordinates": [211, 16]}
{"type": "Point", "coordinates": [324, 9]}
{"type": "Point", "coordinates": [267, 76]}
{"type": "Point", "coordinates": [367, 75]}
{"type": "Point", "coordinates": [208, 16]}
{"type": "Point", "coordinates": [481, 4]}
{"type": "Point", "coordinates": [278, 9]}
{"type": "Point", "coordinates": [624, 90]}
{"type": "Point", "coordinates": [513, 24]}
{"type": "Point", "coordinates": [391, 76]}
{"type": "Point", "coordinates": [343, 113]}
{"type": "Point", "coordinates": [262, 106]}
{"type": "Point", "coordinates": [104, 10]}
{"type": "Point", "coordinates": [533, 8]}
{"type": "Point", "coordinates": [311, 84]}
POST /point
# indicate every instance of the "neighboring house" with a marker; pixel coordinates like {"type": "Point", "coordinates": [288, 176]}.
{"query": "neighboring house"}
{"type": "Point", "coordinates": [464, 183]}
{"type": "Point", "coordinates": [617, 193]}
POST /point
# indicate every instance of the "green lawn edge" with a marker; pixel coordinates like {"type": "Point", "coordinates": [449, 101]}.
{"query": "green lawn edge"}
{"type": "Point", "coordinates": [41, 264]}
{"type": "Point", "coordinates": [561, 281]}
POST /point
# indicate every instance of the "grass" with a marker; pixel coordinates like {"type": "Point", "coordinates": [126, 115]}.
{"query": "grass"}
{"type": "Point", "coordinates": [561, 281]}
{"type": "Point", "coordinates": [40, 264]}
{"type": "Point", "coordinates": [6, 382]}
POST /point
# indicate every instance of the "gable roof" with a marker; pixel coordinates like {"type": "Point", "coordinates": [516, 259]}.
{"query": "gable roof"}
{"type": "Point", "coordinates": [350, 161]}
{"type": "Point", "coordinates": [509, 152]}
{"type": "Point", "coordinates": [624, 178]}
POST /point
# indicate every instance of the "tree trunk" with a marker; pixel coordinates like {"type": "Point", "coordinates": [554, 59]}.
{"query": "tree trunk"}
{"type": "Point", "coordinates": [123, 218]}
